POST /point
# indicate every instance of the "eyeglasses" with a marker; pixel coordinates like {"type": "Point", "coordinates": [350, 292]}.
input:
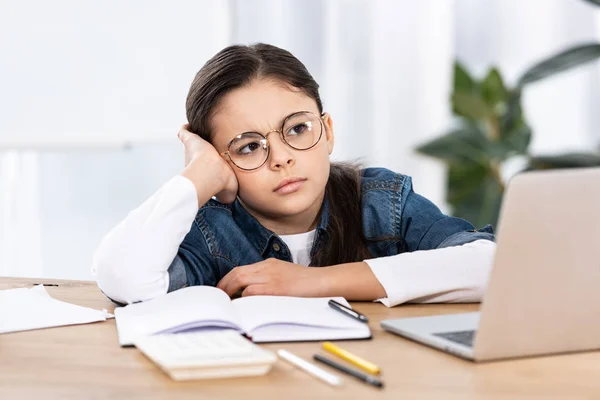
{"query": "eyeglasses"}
{"type": "Point", "coordinates": [250, 150]}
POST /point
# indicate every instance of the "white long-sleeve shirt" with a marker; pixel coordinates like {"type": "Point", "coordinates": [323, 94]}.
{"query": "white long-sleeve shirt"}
{"type": "Point", "coordinates": [131, 264]}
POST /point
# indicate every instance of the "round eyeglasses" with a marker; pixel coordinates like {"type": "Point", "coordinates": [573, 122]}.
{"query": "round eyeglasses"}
{"type": "Point", "coordinates": [250, 150]}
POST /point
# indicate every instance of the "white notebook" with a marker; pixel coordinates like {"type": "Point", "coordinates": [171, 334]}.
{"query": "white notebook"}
{"type": "Point", "coordinates": [260, 318]}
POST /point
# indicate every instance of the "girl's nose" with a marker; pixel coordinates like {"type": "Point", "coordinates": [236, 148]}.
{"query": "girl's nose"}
{"type": "Point", "coordinates": [281, 153]}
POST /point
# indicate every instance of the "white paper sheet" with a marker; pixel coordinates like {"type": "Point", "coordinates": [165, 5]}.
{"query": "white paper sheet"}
{"type": "Point", "coordinates": [25, 309]}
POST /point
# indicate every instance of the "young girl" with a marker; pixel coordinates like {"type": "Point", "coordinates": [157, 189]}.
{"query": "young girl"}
{"type": "Point", "coordinates": [259, 209]}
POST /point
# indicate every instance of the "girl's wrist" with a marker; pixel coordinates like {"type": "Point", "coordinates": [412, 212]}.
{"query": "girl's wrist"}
{"type": "Point", "coordinates": [353, 281]}
{"type": "Point", "coordinates": [206, 182]}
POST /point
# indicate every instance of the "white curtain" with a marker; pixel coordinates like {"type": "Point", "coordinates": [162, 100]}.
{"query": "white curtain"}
{"type": "Point", "coordinates": [20, 230]}
{"type": "Point", "coordinates": [385, 72]}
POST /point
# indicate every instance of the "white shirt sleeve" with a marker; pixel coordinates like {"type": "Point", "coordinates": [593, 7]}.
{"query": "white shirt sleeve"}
{"type": "Point", "coordinates": [131, 264]}
{"type": "Point", "coordinates": [451, 274]}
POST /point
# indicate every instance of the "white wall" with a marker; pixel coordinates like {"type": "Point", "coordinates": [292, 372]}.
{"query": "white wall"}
{"type": "Point", "coordinates": [88, 73]}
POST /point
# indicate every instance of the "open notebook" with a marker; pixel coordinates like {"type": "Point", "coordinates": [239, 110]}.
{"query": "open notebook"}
{"type": "Point", "coordinates": [261, 318]}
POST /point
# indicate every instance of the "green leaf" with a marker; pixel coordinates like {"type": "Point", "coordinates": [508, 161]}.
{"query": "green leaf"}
{"type": "Point", "coordinates": [595, 2]}
{"type": "Point", "coordinates": [491, 196]}
{"type": "Point", "coordinates": [462, 80]}
{"type": "Point", "coordinates": [481, 198]}
{"type": "Point", "coordinates": [465, 144]}
{"type": "Point", "coordinates": [514, 112]}
{"type": "Point", "coordinates": [568, 160]}
{"type": "Point", "coordinates": [463, 180]}
{"type": "Point", "coordinates": [471, 105]}
{"type": "Point", "coordinates": [516, 141]}
{"type": "Point", "coordinates": [561, 62]}
{"type": "Point", "coordinates": [493, 89]}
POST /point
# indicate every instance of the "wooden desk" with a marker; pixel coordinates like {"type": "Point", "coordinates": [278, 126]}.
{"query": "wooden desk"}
{"type": "Point", "coordinates": [85, 361]}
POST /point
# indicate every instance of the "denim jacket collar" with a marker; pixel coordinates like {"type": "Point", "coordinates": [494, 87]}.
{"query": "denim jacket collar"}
{"type": "Point", "coordinates": [261, 237]}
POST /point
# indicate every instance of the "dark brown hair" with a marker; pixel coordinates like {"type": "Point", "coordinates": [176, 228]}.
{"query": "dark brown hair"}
{"type": "Point", "coordinates": [237, 66]}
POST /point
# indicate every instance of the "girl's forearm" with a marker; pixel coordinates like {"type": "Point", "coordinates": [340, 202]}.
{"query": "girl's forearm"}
{"type": "Point", "coordinates": [353, 281]}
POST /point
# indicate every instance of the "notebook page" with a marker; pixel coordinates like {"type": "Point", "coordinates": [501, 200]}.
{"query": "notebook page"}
{"type": "Point", "coordinates": [293, 333]}
{"type": "Point", "coordinates": [259, 313]}
{"type": "Point", "coordinates": [185, 309]}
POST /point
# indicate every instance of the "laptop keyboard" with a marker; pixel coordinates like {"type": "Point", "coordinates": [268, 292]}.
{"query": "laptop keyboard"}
{"type": "Point", "coordinates": [463, 337]}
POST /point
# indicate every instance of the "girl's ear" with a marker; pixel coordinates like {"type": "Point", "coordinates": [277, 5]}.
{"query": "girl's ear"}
{"type": "Point", "coordinates": [329, 134]}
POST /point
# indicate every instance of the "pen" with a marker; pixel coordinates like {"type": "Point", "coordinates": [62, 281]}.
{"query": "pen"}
{"type": "Point", "coordinates": [348, 311]}
{"type": "Point", "coordinates": [357, 374]}
{"type": "Point", "coordinates": [309, 368]}
{"type": "Point", "coordinates": [354, 359]}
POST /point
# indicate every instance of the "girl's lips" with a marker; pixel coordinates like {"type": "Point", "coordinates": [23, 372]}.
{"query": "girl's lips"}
{"type": "Point", "coordinates": [290, 187]}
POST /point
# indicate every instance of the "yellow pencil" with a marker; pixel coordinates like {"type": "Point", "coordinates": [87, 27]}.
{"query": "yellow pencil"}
{"type": "Point", "coordinates": [356, 360]}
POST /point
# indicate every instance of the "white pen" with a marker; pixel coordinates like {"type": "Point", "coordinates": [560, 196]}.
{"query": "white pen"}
{"type": "Point", "coordinates": [309, 368]}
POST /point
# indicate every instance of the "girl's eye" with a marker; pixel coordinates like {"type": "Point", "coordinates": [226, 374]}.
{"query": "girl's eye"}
{"type": "Point", "coordinates": [298, 129]}
{"type": "Point", "coordinates": [248, 148]}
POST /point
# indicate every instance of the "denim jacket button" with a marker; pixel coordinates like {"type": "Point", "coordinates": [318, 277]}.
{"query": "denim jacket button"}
{"type": "Point", "coordinates": [276, 247]}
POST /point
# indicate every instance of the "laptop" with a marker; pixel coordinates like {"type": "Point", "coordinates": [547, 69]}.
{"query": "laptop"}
{"type": "Point", "coordinates": [543, 294]}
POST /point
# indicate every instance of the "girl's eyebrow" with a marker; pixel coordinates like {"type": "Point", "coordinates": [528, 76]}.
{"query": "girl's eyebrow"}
{"type": "Point", "coordinates": [280, 124]}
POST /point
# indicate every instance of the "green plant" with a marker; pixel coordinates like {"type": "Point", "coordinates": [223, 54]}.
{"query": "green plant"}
{"type": "Point", "coordinates": [491, 129]}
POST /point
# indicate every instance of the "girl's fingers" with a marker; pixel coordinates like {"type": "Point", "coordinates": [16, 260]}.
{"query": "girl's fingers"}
{"type": "Point", "coordinates": [255, 290]}
{"type": "Point", "coordinates": [184, 132]}
{"type": "Point", "coordinates": [239, 278]}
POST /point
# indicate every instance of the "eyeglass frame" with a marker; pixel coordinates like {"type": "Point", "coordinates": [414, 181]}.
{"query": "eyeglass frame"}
{"type": "Point", "coordinates": [280, 131]}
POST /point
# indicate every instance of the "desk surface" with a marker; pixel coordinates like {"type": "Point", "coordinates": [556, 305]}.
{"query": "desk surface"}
{"type": "Point", "coordinates": [85, 361]}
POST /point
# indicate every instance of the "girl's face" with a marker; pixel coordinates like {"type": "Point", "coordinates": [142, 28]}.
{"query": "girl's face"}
{"type": "Point", "coordinates": [262, 107]}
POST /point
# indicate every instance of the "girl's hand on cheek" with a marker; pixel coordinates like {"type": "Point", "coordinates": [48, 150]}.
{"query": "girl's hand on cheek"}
{"type": "Point", "coordinates": [274, 277]}
{"type": "Point", "coordinates": [205, 167]}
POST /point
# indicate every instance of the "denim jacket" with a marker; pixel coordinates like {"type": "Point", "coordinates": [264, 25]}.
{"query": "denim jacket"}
{"type": "Point", "coordinates": [224, 236]}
